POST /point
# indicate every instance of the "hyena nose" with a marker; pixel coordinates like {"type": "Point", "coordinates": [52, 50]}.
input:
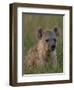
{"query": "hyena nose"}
{"type": "Point", "coordinates": [53, 47]}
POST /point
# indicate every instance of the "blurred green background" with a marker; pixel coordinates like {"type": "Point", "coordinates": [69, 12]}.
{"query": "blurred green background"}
{"type": "Point", "coordinates": [30, 24]}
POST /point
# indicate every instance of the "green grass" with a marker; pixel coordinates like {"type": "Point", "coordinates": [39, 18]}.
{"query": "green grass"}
{"type": "Point", "coordinates": [31, 23]}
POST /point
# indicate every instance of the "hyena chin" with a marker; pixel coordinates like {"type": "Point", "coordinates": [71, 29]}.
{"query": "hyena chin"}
{"type": "Point", "coordinates": [44, 49]}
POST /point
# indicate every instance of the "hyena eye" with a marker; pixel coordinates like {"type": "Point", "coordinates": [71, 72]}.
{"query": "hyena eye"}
{"type": "Point", "coordinates": [47, 40]}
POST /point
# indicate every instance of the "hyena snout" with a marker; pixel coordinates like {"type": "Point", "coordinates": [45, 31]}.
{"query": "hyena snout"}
{"type": "Point", "coordinates": [53, 47]}
{"type": "Point", "coordinates": [52, 44]}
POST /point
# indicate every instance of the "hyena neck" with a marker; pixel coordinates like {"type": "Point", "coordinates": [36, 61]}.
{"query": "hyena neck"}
{"type": "Point", "coordinates": [42, 52]}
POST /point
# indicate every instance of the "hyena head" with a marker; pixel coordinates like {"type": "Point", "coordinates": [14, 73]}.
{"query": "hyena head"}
{"type": "Point", "coordinates": [48, 39]}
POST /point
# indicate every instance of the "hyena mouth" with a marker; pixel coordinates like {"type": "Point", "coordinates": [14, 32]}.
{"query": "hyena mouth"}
{"type": "Point", "coordinates": [53, 47]}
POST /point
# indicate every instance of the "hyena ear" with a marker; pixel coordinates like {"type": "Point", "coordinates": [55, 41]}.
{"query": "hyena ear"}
{"type": "Point", "coordinates": [39, 33]}
{"type": "Point", "coordinates": [56, 30]}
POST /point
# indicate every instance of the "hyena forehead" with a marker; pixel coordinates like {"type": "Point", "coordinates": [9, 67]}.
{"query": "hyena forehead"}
{"type": "Point", "coordinates": [49, 34]}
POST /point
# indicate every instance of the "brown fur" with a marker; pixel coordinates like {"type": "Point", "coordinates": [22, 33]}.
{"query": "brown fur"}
{"type": "Point", "coordinates": [38, 55]}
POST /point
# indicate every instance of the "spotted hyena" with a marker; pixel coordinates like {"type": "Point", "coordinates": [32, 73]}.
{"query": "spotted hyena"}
{"type": "Point", "coordinates": [44, 49]}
